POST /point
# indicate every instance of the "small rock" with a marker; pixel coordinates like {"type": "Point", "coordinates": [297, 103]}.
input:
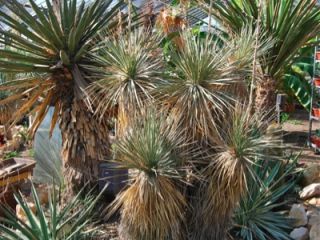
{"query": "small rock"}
{"type": "Point", "coordinates": [298, 214]}
{"type": "Point", "coordinates": [21, 214]}
{"type": "Point", "coordinates": [314, 201]}
{"type": "Point", "coordinates": [310, 191]}
{"type": "Point", "coordinates": [300, 233]}
{"type": "Point", "coordinates": [311, 210]}
{"type": "Point", "coordinates": [315, 232]}
{"type": "Point", "coordinates": [311, 174]}
{"type": "Point", "coordinates": [314, 219]}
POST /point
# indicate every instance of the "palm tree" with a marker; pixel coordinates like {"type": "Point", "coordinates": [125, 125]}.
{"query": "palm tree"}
{"type": "Point", "coordinates": [290, 23]}
{"type": "Point", "coordinates": [53, 48]}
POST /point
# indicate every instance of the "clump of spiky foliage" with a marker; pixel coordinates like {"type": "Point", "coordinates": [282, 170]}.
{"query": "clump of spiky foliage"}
{"type": "Point", "coordinates": [131, 67]}
{"type": "Point", "coordinates": [71, 221]}
{"type": "Point", "coordinates": [197, 90]}
{"type": "Point", "coordinates": [153, 205]}
{"type": "Point", "coordinates": [245, 138]}
{"type": "Point", "coordinates": [257, 216]}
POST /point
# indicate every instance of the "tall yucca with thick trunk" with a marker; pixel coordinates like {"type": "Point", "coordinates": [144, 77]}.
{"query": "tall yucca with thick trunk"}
{"type": "Point", "coordinates": [153, 205]}
{"type": "Point", "coordinates": [245, 138]}
{"type": "Point", "coordinates": [290, 23]}
{"type": "Point", "coordinates": [52, 46]}
{"type": "Point", "coordinates": [131, 66]}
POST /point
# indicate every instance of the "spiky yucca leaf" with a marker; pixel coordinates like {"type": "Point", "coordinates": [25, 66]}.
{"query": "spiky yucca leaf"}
{"type": "Point", "coordinates": [131, 67]}
{"type": "Point", "coordinates": [153, 206]}
{"type": "Point", "coordinates": [244, 139]}
{"type": "Point", "coordinates": [6, 111]}
{"type": "Point", "coordinates": [245, 44]}
{"type": "Point", "coordinates": [246, 49]}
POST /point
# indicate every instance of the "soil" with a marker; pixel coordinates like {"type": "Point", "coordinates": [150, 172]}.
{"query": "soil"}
{"type": "Point", "coordinates": [296, 131]}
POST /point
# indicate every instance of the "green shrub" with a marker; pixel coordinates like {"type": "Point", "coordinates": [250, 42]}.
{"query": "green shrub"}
{"type": "Point", "coordinates": [55, 223]}
{"type": "Point", "coordinates": [258, 215]}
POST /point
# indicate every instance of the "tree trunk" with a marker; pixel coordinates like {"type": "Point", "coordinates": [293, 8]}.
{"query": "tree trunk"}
{"type": "Point", "coordinates": [6, 112]}
{"type": "Point", "coordinates": [266, 95]}
{"type": "Point", "coordinates": [85, 141]}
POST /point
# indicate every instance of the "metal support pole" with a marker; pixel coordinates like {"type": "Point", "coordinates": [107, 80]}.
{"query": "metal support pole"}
{"type": "Point", "coordinates": [311, 98]}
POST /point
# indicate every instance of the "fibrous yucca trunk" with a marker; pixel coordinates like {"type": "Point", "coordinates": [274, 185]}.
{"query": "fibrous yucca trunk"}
{"type": "Point", "coordinates": [6, 111]}
{"type": "Point", "coordinates": [151, 211]}
{"type": "Point", "coordinates": [123, 119]}
{"type": "Point", "coordinates": [265, 94]}
{"type": "Point", "coordinates": [84, 144]}
{"type": "Point", "coordinates": [216, 201]}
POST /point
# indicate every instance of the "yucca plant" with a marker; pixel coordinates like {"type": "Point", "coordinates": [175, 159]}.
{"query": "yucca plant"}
{"type": "Point", "coordinates": [194, 88]}
{"type": "Point", "coordinates": [52, 46]}
{"type": "Point", "coordinates": [153, 206]}
{"type": "Point", "coordinates": [198, 90]}
{"type": "Point", "coordinates": [257, 216]}
{"type": "Point", "coordinates": [290, 23]}
{"type": "Point", "coordinates": [69, 222]}
{"type": "Point", "coordinates": [131, 66]}
{"type": "Point", "coordinates": [243, 139]}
